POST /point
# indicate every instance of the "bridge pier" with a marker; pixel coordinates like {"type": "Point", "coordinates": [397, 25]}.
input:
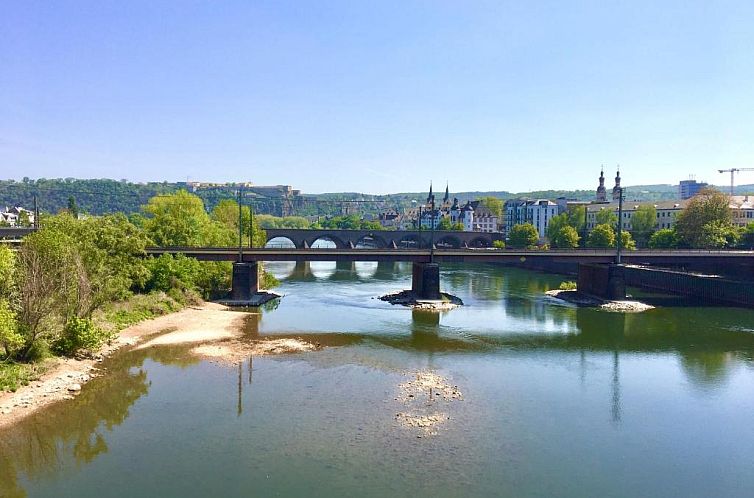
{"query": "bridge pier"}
{"type": "Point", "coordinates": [603, 281]}
{"type": "Point", "coordinates": [425, 281]}
{"type": "Point", "coordinates": [245, 281]}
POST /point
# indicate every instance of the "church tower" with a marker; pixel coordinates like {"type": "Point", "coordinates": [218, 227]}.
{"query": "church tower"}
{"type": "Point", "coordinates": [617, 189]}
{"type": "Point", "coordinates": [601, 191]}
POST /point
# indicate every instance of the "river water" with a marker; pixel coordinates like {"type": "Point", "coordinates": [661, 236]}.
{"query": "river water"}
{"type": "Point", "coordinates": [552, 401]}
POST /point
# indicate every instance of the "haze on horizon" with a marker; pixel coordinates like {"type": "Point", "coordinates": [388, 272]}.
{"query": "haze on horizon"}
{"type": "Point", "coordinates": [346, 96]}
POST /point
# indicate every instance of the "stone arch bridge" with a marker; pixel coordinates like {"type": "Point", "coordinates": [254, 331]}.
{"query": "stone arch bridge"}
{"type": "Point", "coordinates": [385, 239]}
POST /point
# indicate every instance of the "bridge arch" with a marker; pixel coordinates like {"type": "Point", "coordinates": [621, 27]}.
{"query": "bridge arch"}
{"type": "Point", "coordinates": [371, 240]}
{"type": "Point", "coordinates": [339, 244]}
{"type": "Point", "coordinates": [280, 242]}
{"type": "Point", "coordinates": [410, 241]}
{"type": "Point", "coordinates": [448, 241]}
{"type": "Point", "coordinates": [482, 241]}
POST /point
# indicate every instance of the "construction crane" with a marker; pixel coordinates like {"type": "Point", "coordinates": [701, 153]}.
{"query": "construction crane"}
{"type": "Point", "coordinates": [732, 171]}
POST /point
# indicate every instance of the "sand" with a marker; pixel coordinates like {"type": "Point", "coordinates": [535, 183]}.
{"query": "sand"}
{"type": "Point", "coordinates": [214, 329]}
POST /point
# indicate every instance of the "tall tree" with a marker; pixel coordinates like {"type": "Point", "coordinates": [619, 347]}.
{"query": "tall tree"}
{"type": "Point", "coordinates": [577, 217]}
{"type": "Point", "coordinates": [607, 216]}
{"type": "Point", "coordinates": [566, 238]}
{"type": "Point", "coordinates": [523, 235]}
{"type": "Point", "coordinates": [494, 204]}
{"type": "Point", "coordinates": [602, 236]}
{"type": "Point", "coordinates": [73, 209]}
{"type": "Point", "coordinates": [180, 220]}
{"type": "Point", "coordinates": [643, 222]}
{"type": "Point", "coordinates": [706, 217]}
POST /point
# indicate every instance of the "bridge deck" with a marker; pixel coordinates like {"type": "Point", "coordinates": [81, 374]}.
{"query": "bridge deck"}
{"type": "Point", "coordinates": [651, 257]}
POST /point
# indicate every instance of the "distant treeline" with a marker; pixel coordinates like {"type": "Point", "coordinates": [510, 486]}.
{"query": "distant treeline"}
{"type": "Point", "coordinates": [104, 196]}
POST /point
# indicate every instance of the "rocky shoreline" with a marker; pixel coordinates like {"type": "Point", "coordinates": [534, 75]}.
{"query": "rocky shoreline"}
{"type": "Point", "coordinates": [411, 300]}
{"type": "Point", "coordinates": [581, 299]}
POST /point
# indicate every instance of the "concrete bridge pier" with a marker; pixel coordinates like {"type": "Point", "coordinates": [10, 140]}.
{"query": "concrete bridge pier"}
{"type": "Point", "coordinates": [425, 281]}
{"type": "Point", "coordinates": [245, 281]}
{"type": "Point", "coordinates": [603, 281]}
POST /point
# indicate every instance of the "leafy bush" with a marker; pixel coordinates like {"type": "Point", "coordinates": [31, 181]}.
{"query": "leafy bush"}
{"type": "Point", "coordinates": [10, 339]}
{"type": "Point", "coordinates": [498, 244]}
{"type": "Point", "coordinates": [80, 334]}
{"type": "Point", "coordinates": [568, 285]}
{"type": "Point", "coordinates": [665, 238]}
{"type": "Point", "coordinates": [14, 375]}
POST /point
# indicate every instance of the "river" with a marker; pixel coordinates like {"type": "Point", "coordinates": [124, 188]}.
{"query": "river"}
{"type": "Point", "coordinates": [551, 400]}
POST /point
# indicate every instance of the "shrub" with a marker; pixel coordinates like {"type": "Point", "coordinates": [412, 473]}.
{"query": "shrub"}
{"type": "Point", "coordinates": [665, 238]}
{"type": "Point", "coordinates": [79, 334]}
{"type": "Point", "coordinates": [498, 244]}
{"type": "Point", "coordinates": [568, 285]}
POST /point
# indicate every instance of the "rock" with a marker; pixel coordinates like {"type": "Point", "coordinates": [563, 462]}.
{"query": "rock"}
{"type": "Point", "coordinates": [74, 388]}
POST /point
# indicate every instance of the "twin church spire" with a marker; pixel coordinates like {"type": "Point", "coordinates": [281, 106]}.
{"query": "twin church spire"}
{"type": "Point", "coordinates": [602, 191]}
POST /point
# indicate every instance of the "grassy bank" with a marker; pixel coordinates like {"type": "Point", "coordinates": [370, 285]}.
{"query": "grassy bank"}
{"type": "Point", "coordinates": [112, 318]}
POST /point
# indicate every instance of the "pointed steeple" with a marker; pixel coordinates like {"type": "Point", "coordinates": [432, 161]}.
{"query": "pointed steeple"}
{"type": "Point", "coordinates": [431, 196]}
{"type": "Point", "coordinates": [617, 189]}
{"type": "Point", "coordinates": [601, 191]}
{"type": "Point", "coordinates": [447, 194]}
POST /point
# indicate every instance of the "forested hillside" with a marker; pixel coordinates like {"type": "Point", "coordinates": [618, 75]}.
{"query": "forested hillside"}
{"type": "Point", "coordinates": [103, 196]}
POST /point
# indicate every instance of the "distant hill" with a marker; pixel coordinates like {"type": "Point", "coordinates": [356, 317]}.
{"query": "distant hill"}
{"type": "Point", "coordinates": [101, 196]}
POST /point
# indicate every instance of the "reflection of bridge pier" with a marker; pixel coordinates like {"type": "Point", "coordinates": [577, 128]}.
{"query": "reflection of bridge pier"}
{"type": "Point", "coordinates": [302, 271]}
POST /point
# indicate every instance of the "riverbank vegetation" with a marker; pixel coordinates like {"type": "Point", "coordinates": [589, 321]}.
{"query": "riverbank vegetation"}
{"type": "Point", "coordinates": [75, 283]}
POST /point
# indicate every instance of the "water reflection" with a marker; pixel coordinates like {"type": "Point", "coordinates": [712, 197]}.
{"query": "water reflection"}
{"type": "Point", "coordinates": [75, 429]}
{"type": "Point", "coordinates": [538, 369]}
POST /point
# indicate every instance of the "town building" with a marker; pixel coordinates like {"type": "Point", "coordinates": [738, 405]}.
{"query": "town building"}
{"type": "Point", "coordinates": [16, 215]}
{"type": "Point", "coordinates": [473, 216]}
{"type": "Point", "coordinates": [538, 212]}
{"type": "Point", "coordinates": [667, 211]}
{"type": "Point", "coordinates": [743, 209]}
{"type": "Point", "coordinates": [689, 188]}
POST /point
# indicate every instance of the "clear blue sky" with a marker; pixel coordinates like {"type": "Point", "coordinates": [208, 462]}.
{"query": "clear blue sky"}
{"type": "Point", "coordinates": [377, 96]}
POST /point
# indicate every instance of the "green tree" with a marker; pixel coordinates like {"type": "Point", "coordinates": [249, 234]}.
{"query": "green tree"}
{"type": "Point", "coordinates": [498, 244]}
{"type": "Point", "coordinates": [73, 209]}
{"type": "Point", "coordinates": [718, 234]}
{"type": "Point", "coordinates": [665, 238]}
{"type": "Point", "coordinates": [180, 220]}
{"type": "Point", "coordinates": [445, 223]}
{"type": "Point", "coordinates": [10, 339]}
{"type": "Point", "coordinates": [607, 216]}
{"type": "Point", "coordinates": [706, 220]}
{"type": "Point", "coordinates": [602, 236]}
{"type": "Point", "coordinates": [226, 214]}
{"type": "Point", "coordinates": [643, 222]}
{"type": "Point", "coordinates": [747, 236]}
{"type": "Point", "coordinates": [577, 217]}
{"type": "Point", "coordinates": [555, 225]}
{"type": "Point", "coordinates": [566, 238]}
{"type": "Point", "coordinates": [523, 235]}
{"type": "Point", "coordinates": [627, 241]}
{"type": "Point", "coordinates": [371, 225]}
{"type": "Point", "coordinates": [494, 204]}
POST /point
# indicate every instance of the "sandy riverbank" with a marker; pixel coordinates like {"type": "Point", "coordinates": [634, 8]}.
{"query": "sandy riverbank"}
{"type": "Point", "coordinates": [212, 327]}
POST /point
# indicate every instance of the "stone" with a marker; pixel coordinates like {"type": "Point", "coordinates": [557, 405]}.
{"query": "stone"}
{"type": "Point", "coordinates": [74, 388]}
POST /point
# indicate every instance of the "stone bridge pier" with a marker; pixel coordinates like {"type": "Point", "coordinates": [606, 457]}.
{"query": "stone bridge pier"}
{"type": "Point", "coordinates": [602, 281]}
{"type": "Point", "coordinates": [245, 282]}
{"type": "Point", "coordinates": [425, 281]}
